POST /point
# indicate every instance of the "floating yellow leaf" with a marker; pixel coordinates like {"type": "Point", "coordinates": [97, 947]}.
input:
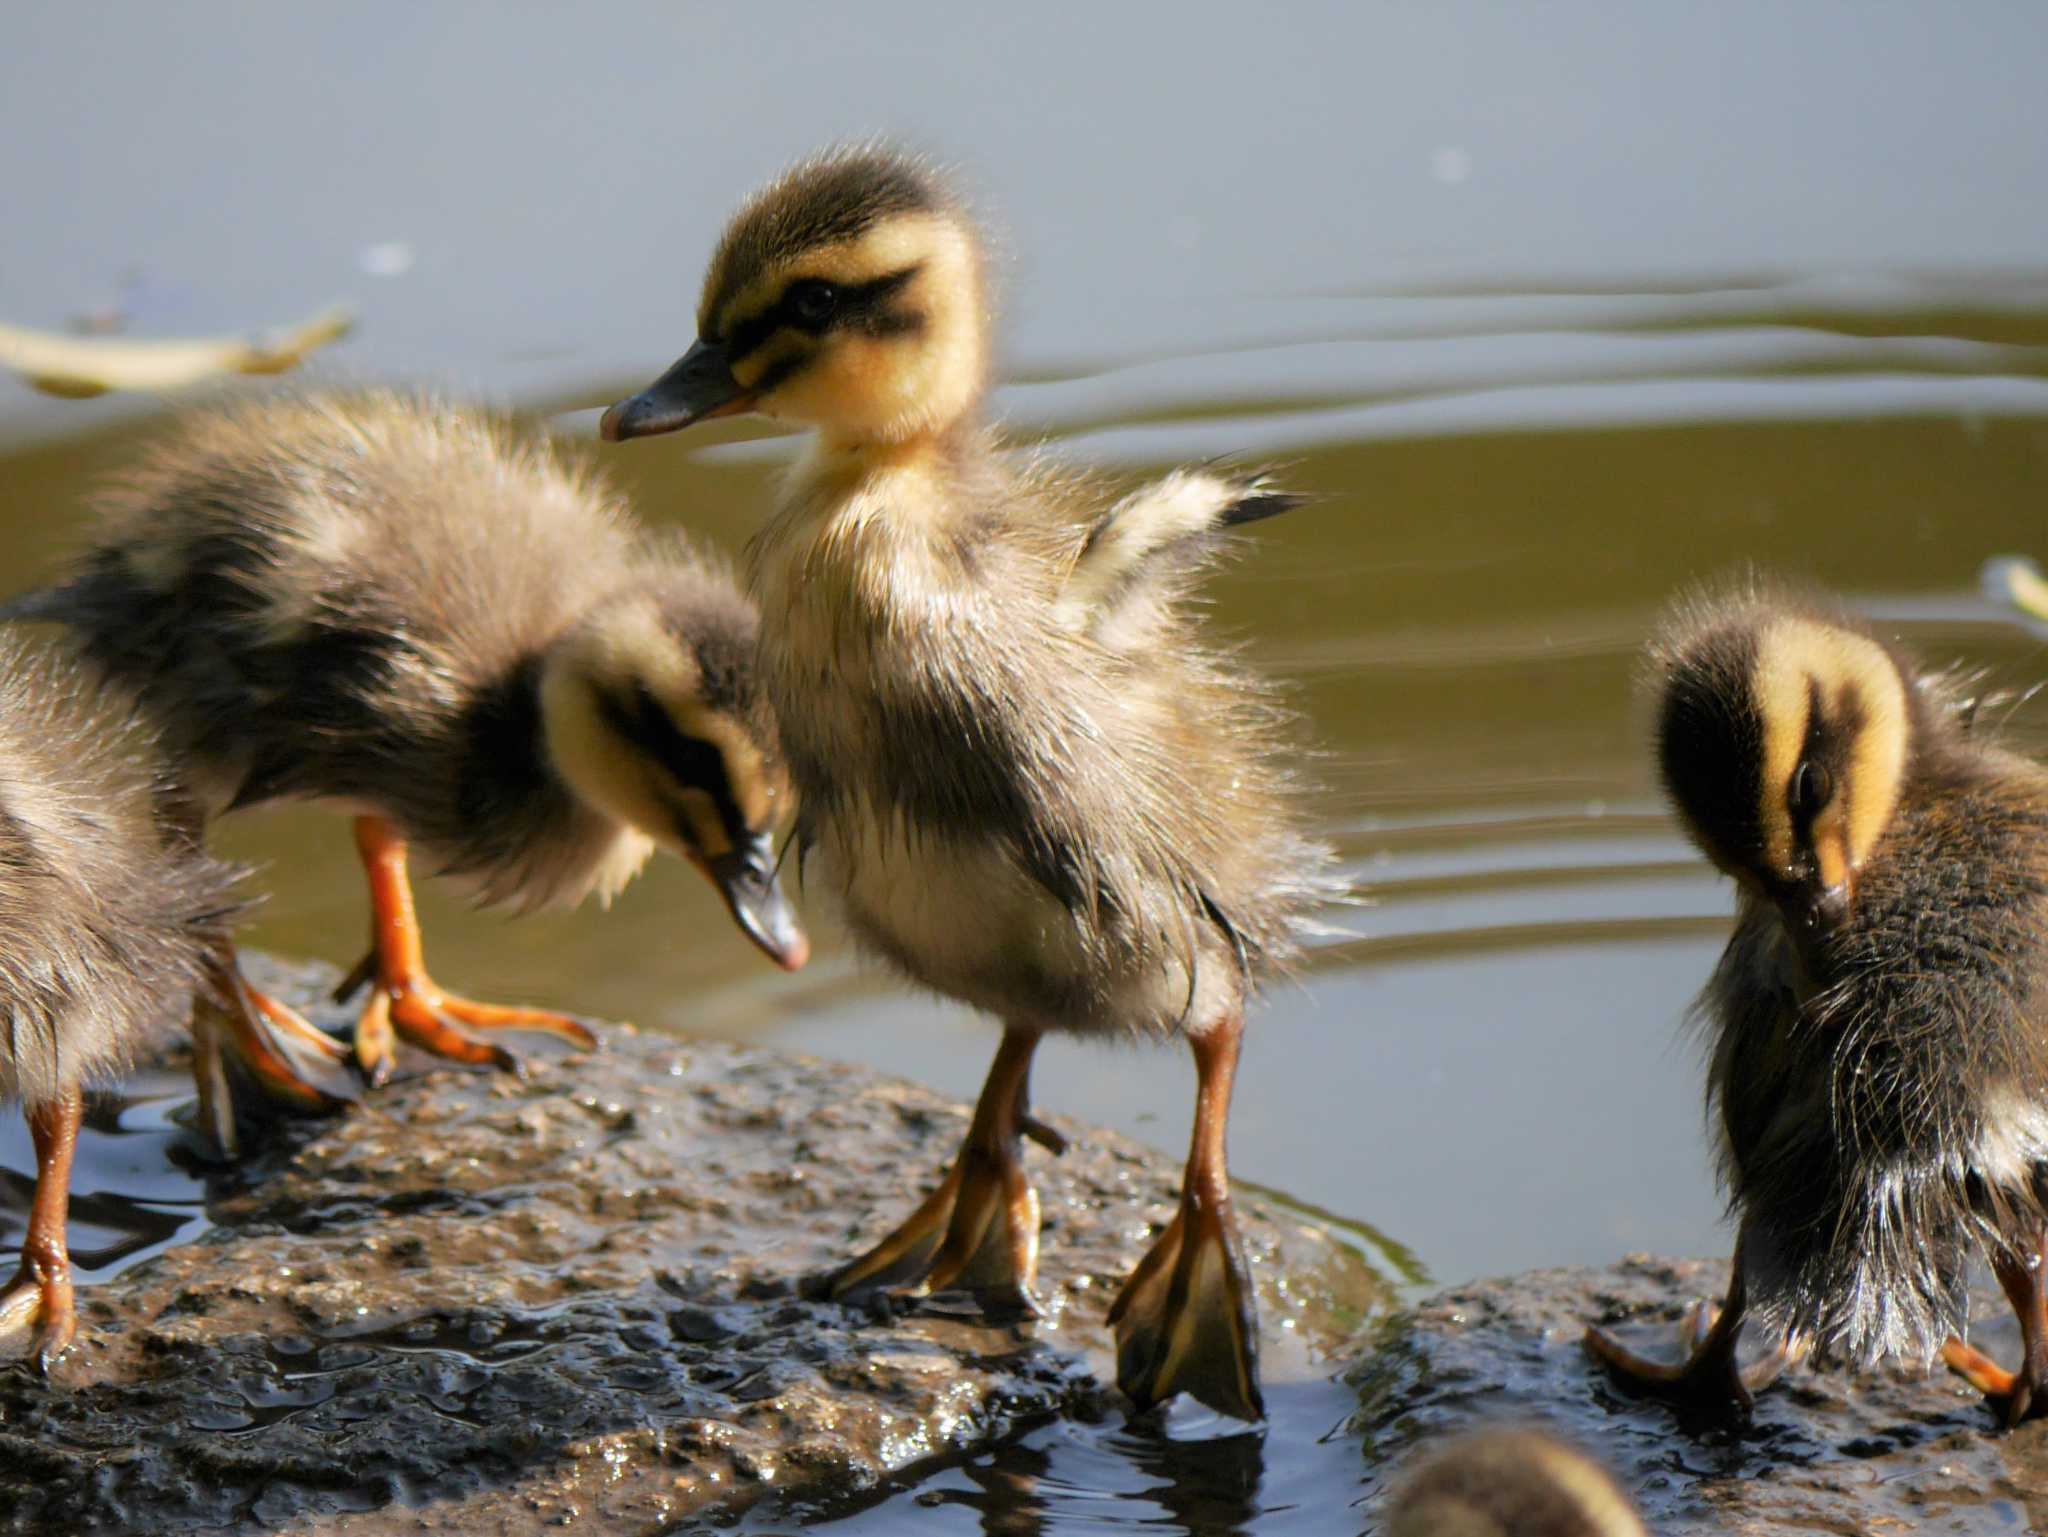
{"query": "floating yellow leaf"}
{"type": "Point", "coordinates": [2016, 580]}
{"type": "Point", "coordinates": [79, 367]}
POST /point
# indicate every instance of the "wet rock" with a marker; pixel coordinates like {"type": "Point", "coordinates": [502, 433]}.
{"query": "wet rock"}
{"type": "Point", "coordinates": [484, 1305]}
{"type": "Point", "coordinates": [1827, 1451]}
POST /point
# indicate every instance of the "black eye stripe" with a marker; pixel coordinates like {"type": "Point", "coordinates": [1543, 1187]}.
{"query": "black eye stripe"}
{"type": "Point", "coordinates": [640, 719]}
{"type": "Point", "coordinates": [859, 307]}
{"type": "Point", "coordinates": [1832, 729]}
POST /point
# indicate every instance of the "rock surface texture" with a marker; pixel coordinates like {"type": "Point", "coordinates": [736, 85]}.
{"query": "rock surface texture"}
{"type": "Point", "coordinates": [1827, 1451]}
{"type": "Point", "coordinates": [477, 1304]}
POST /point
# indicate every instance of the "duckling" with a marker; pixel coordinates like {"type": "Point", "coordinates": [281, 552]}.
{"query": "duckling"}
{"type": "Point", "coordinates": [1879, 1019]}
{"type": "Point", "coordinates": [1032, 785]}
{"type": "Point", "coordinates": [398, 609]}
{"type": "Point", "coordinates": [107, 917]}
{"type": "Point", "coordinates": [1511, 1483]}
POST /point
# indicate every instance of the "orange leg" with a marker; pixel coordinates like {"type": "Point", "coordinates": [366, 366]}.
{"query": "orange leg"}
{"type": "Point", "coordinates": [979, 1229]}
{"type": "Point", "coordinates": [1186, 1321]}
{"type": "Point", "coordinates": [290, 1060]}
{"type": "Point", "coordinates": [1709, 1377]}
{"type": "Point", "coordinates": [405, 1000]}
{"type": "Point", "coordinates": [41, 1289]}
{"type": "Point", "coordinates": [2020, 1395]}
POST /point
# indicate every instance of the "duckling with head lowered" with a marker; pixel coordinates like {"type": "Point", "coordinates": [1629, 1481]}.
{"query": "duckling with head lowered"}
{"type": "Point", "coordinates": [1879, 1020]}
{"type": "Point", "coordinates": [107, 916]}
{"type": "Point", "coordinates": [397, 608]}
{"type": "Point", "coordinates": [1033, 786]}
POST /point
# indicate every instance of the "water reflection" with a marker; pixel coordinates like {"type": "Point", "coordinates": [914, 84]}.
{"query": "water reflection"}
{"type": "Point", "coordinates": [130, 1198]}
{"type": "Point", "coordinates": [1182, 1472]}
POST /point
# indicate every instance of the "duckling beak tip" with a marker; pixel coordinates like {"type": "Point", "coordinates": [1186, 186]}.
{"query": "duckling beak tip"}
{"type": "Point", "coordinates": [796, 953]}
{"type": "Point", "coordinates": [771, 924]}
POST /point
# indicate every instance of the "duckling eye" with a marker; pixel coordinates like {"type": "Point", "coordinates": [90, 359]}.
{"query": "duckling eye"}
{"type": "Point", "coordinates": [1811, 787]}
{"type": "Point", "coordinates": [812, 301]}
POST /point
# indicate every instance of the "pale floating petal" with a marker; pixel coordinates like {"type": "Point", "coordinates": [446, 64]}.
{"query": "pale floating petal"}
{"type": "Point", "coordinates": [79, 367]}
{"type": "Point", "coordinates": [2016, 580]}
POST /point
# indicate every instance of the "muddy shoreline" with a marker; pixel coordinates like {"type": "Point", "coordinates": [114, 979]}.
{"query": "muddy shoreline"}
{"type": "Point", "coordinates": [478, 1304]}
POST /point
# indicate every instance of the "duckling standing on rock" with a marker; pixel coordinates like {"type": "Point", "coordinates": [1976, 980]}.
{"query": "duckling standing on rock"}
{"type": "Point", "coordinates": [1880, 1018]}
{"type": "Point", "coordinates": [107, 916]}
{"type": "Point", "coordinates": [1035, 789]}
{"type": "Point", "coordinates": [395, 608]}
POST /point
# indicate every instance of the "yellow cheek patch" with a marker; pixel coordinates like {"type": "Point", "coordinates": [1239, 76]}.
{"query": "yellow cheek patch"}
{"type": "Point", "coordinates": [1877, 766]}
{"type": "Point", "coordinates": [1831, 850]}
{"type": "Point", "coordinates": [1783, 699]}
{"type": "Point", "coordinates": [785, 347]}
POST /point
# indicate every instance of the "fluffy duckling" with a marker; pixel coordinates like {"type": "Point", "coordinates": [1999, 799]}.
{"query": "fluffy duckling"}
{"type": "Point", "coordinates": [1511, 1483]}
{"type": "Point", "coordinates": [399, 609]}
{"type": "Point", "coordinates": [1878, 1021]}
{"type": "Point", "coordinates": [1033, 786]}
{"type": "Point", "coordinates": [107, 917]}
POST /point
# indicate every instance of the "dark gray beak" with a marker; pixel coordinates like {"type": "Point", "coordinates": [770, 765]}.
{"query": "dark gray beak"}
{"type": "Point", "coordinates": [746, 878]}
{"type": "Point", "coordinates": [700, 386]}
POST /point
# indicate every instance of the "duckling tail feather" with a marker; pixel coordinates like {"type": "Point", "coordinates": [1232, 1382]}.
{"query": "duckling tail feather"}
{"type": "Point", "coordinates": [1259, 502]}
{"type": "Point", "coordinates": [1140, 559]}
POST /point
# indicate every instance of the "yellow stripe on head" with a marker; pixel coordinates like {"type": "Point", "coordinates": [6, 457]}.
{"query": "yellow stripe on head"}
{"type": "Point", "coordinates": [1820, 688]}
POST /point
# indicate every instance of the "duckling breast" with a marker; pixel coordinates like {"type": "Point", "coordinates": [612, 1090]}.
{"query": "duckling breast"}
{"type": "Point", "coordinates": [1011, 814]}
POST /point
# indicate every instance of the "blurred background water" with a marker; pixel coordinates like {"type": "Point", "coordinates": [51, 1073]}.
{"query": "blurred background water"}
{"type": "Point", "coordinates": [1555, 309]}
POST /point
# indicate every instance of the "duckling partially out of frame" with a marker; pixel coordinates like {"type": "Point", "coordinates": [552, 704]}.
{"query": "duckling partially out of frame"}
{"type": "Point", "coordinates": [107, 917]}
{"type": "Point", "coordinates": [1879, 1021]}
{"type": "Point", "coordinates": [1510, 1483]}
{"type": "Point", "coordinates": [400, 609]}
{"type": "Point", "coordinates": [1033, 786]}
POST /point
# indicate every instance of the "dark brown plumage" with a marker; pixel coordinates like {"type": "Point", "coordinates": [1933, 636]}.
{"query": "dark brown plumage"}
{"type": "Point", "coordinates": [402, 609]}
{"type": "Point", "coordinates": [1034, 786]}
{"type": "Point", "coordinates": [107, 918]}
{"type": "Point", "coordinates": [1879, 1022]}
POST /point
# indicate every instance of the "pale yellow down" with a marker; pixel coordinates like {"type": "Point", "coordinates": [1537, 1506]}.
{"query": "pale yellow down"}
{"type": "Point", "coordinates": [1793, 656]}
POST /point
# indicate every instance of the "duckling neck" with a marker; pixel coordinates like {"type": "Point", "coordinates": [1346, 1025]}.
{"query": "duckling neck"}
{"type": "Point", "coordinates": [911, 484]}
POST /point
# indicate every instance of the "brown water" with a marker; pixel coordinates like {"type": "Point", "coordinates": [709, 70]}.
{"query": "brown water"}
{"type": "Point", "coordinates": [1552, 321]}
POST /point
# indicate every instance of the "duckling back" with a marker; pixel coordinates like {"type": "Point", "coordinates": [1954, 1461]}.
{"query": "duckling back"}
{"type": "Point", "coordinates": [106, 913]}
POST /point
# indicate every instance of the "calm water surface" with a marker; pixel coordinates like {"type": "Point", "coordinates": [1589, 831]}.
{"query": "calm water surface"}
{"type": "Point", "coordinates": [1552, 317]}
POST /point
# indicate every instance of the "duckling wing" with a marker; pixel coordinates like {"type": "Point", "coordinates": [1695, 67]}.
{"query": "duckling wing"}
{"type": "Point", "coordinates": [1139, 559]}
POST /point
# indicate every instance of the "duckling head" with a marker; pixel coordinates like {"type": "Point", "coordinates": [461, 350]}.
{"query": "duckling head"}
{"type": "Point", "coordinates": [1511, 1483]}
{"type": "Point", "coordinates": [848, 296]}
{"type": "Point", "coordinates": [651, 714]}
{"type": "Point", "coordinates": [1784, 740]}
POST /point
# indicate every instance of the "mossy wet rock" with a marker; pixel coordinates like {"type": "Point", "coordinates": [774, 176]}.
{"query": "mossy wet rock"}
{"type": "Point", "coordinates": [1827, 1451]}
{"type": "Point", "coordinates": [484, 1305]}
